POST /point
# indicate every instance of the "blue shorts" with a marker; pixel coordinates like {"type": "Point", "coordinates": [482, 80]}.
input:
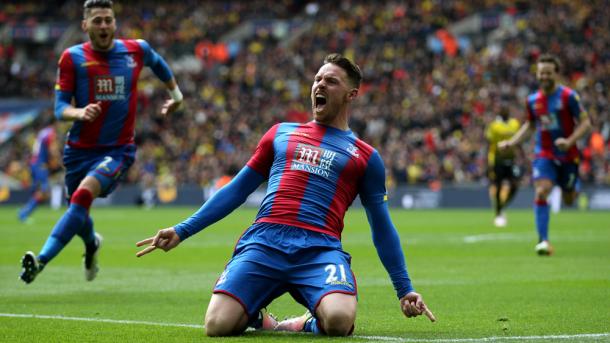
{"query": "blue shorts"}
{"type": "Point", "coordinates": [259, 272]}
{"type": "Point", "coordinates": [107, 165]}
{"type": "Point", "coordinates": [40, 178]}
{"type": "Point", "coordinates": [563, 174]}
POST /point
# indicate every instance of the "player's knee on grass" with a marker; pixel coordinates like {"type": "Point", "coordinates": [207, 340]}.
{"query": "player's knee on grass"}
{"type": "Point", "coordinates": [223, 324]}
{"type": "Point", "coordinates": [337, 314]}
{"type": "Point", "coordinates": [224, 317]}
{"type": "Point", "coordinates": [338, 323]}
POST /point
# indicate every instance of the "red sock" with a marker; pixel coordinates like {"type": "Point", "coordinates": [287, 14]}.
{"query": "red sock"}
{"type": "Point", "coordinates": [82, 197]}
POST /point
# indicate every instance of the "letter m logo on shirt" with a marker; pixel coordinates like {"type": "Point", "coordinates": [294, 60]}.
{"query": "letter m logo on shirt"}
{"type": "Point", "coordinates": [308, 154]}
{"type": "Point", "coordinates": [316, 157]}
{"type": "Point", "coordinates": [104, 85]}
{"type": "Point", "coordinates": [109, 87]}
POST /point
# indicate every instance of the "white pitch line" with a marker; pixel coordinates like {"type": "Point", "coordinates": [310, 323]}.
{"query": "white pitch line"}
{"type": "Point", "coordinates": [491, 237]}
{"type": "Point", "coordinates": [99, 320]}
{"type": "Point", "coordinates": [370, 338]}
{"type": "Point", "coordinates": [484, 339]}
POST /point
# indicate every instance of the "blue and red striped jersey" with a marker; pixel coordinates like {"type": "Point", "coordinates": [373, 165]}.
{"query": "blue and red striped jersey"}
{"type": "Point", "coordinates": [554, 116]}
{"type": "Point", "coordinates": [111, 78]}
{"type": "Point", "coordinates": [314, 174]}
{"type": "Point", "coordinates": [40, 149]}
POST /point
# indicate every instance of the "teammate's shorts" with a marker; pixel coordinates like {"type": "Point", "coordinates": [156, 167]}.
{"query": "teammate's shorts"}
{"type": "Point", "coordinates": [504, 170]}
{"type": "Point", "coordinates": [40, 178]}
{"type": "Point", "coordinates": [107, 165]}
{"type": "Point", "coordinates": [258, 273]}
{"type": "Point", "coordinates": [563, 174]}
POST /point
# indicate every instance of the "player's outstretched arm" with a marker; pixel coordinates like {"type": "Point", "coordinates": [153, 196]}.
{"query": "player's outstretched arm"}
{"type": "Point", "coordinates": [165, 239]}
{"type": "Point", "coordinates": [386, 239]}
{"type": "Point", "coordinates": [387, 243]}
{"type": "Point", "coordinates": [223, 202]}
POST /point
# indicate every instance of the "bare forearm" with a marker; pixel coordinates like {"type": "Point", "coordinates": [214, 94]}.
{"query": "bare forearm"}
{"type": "Point", "coordinates": [71, 113]}
{"type": "Point", "coordinates": [521, 135]}
{"type": "Point", "coordinates": [583, 127]}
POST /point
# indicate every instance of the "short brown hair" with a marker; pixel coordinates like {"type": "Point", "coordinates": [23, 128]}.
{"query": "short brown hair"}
{"type": "Point", "coordinates": [353, 71]}
{"type": "Point", "coordinates": [548, 58]}
{"type": "Point", "coordinates": [91, 4]}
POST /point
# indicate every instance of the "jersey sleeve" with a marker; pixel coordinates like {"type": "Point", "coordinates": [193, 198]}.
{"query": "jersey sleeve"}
{"type": "Point", "coordinates": [262, 159]}
{"type": "Point", "coordinates": [385, 237]}
{"type": "Point", "coordinates": [65, 81]}
{"type": "Point", "coordinates": [64, 84]}
{"type": "Point", "coordinates": [223, 202]}
{"type": "Point", "coordinates": [575, 105]}
{"type": "Point", "coordinates": [372, 189]}
{"type": "Point", "coordinates": [156, 63]}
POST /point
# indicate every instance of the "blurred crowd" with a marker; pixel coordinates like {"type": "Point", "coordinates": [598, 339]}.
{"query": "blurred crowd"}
{"type": "Point", "coordinates": [425, 110]}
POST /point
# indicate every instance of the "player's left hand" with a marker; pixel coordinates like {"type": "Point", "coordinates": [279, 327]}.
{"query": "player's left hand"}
{"type": "Point", "coordinates": [170, 106]}
{"type": "Point", "coordinates": [413, 305]}
{"type": "Point", "coordinates": [562, 143]}
{"type": "Point", "coordinates": [165, 239]}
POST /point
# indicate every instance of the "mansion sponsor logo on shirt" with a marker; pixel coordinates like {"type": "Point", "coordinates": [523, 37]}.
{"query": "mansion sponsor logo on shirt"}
{"type": "Point", "coordinates": [109, 87]}
{"type": "Point", "coordinates": [548, 122]}
{"type": "Point", "coordinates": [313, 160]}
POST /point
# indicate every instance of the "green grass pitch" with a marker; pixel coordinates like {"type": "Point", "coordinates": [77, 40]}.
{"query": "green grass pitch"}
{"type": "Point", "coordinates": [483, 283]}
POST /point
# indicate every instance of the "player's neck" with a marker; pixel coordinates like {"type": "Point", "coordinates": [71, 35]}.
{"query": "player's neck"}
{"type": "Point", "coordinates": [549, 91]}
{"type": "Point", "coordinates": [98, 49]}
{"type": "Point", "coordinates": [338, 123]}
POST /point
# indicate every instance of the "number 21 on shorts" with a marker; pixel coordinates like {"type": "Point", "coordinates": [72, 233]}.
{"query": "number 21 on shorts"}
{"type": "Point", "coordinates": [331, 269]}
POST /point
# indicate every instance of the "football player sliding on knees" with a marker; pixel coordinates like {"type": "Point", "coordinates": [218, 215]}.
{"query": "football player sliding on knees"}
{"type": "Point", "coordinates": [294, 245]}
{"type": "Point", "coordinates": [167, 239]}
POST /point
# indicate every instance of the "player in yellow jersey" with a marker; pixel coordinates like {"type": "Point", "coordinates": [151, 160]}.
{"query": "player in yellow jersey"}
{"type": "Point", "coordinates": [503, 171]}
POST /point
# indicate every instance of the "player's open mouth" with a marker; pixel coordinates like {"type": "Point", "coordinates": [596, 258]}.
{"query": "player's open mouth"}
{"type": "Point", "coordinates": [319, 101]}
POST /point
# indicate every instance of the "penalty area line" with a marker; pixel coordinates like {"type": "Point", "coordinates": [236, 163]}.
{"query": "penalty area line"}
{"type": "Point", "coordinates": [368, 338]}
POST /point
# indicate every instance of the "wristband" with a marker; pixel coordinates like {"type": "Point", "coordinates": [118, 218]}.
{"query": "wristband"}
{"type": "Point", "coordinates": [176, 94]}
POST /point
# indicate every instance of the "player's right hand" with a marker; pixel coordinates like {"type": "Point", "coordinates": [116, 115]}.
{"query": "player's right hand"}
{"type": "Point", "coordinates": [91, 111]}
{"type": "Point", "coordinates": [165, 239]}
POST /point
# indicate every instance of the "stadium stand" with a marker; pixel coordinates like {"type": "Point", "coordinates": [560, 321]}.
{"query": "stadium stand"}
{"type": "Point", "coordinates": [433, 72]}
